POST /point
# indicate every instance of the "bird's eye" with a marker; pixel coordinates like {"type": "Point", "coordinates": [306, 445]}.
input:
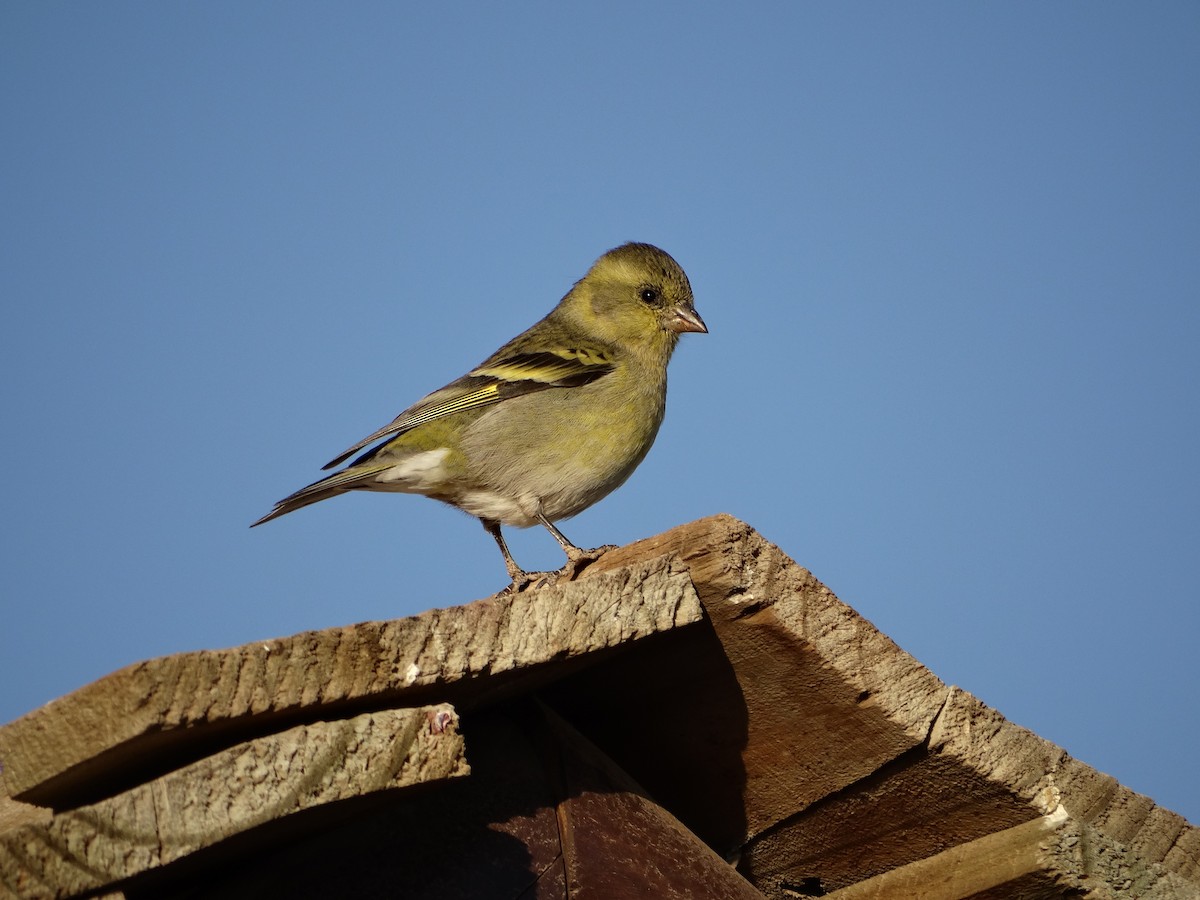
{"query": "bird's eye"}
{"type": "Point", "coordinates": [649, 295]}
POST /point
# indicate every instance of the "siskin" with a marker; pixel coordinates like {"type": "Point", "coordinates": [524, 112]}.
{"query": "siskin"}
{"type": "Point", "coordinates": [548, 424]}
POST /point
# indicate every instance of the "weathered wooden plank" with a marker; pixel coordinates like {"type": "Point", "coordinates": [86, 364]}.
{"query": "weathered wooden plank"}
{"type": "Point", "coordinates": [69, 750]}
{"type": "Point", "coordinates": [1046, 777]}
{"type": "Point", "coordinates": [1052, 856]}
{"type": "Point", "coordinates": [914, 807]}
{"type": "Point", "coordinates": [14, 813]}
{"type": "Point", "coordinates": [833, 755]}
{"type": "Point", "coordinates": [260, 781]}
{"type": "Point", "coordinates": [543, 816]}
{"type": "Point", "coordinates": [618, 842]}
{"type": "Point", "coordinates": [829, 699]}
{"type": "Point", "coordinates": [492, 834]}
{"type": "Point", "coordinates": [841, 725]}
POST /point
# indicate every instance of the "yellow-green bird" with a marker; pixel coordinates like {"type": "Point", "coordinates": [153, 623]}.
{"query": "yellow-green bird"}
{"type": "Point", "coordinates": [548, 424]}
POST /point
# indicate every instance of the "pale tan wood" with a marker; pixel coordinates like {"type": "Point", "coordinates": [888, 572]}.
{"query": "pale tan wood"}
{"type": "Point", "coordinates": [1051, 856]}
{"type": "Point", "coordinates": [14, 813]}
{"type": "Point", "coordinates": [70, 744]}
{"type": "Point", "coordinates": [259, 781]}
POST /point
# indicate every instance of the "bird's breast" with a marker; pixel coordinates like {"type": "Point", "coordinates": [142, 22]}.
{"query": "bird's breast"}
{"type": "Point", "coordinates": [562, 448]}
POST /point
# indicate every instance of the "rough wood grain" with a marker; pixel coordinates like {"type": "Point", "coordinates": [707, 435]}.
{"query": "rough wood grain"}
{"type": "Point", "coordinates": [1046, 776]}
{"type": "Point", "coordinates": [753, 706]}
{"type": "Point", "coordinates": [540, 803]}
{"type": "Point", "coordinates": [257, 782]}
{"type": "Point", "coordinates": [829, 699]}
{"type": "Point", "coordinates": [843, 726]}
{"type": "Point", "coordinates": [14, 813]}
{"type": "Point", "coordinates": [618, 842]}
{"type": "Point", "coordinates": [77, 747]}
{"type": "Point", "coordinates": [1052, 856]}
{"type": "Point", "coordinates": [492, 834]}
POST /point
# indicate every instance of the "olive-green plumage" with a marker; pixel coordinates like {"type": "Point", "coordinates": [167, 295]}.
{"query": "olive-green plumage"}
{"type": "Point", "coordinates": [548, 424]}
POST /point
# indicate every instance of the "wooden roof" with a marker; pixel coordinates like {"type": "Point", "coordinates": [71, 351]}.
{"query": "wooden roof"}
{"type": "Point", "coordinates": [695, 716]}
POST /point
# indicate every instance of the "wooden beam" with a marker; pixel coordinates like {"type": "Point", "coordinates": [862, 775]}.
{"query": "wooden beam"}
{"type": "Point", "coordinates": [99, 739]}
{"type": "Point", "coordinates": [1052, 856]}
{"type": "Point", "coordinates": [256, 783]}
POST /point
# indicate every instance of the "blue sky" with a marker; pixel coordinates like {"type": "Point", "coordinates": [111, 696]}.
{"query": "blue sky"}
{"type": "Point", "coordinates": [948, 255]}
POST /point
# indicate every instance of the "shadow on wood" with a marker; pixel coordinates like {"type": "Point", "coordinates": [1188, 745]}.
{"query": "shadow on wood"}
{"type": "Point", "coordinates": [694, 716]}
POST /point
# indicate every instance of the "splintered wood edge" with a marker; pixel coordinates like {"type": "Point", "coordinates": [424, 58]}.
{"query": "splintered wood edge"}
{"type": "Point", "coordinates": [231, 792]}
{"type": "Point", "coordinates": [46, 753]}
{"type": "Point", "coordinates": [737, 573]}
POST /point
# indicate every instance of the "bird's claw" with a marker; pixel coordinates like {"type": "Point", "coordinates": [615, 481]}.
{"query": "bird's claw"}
{"type": "Point", "coordinates": [531, 581]}
{"type": "Point", "coordinates": [576, 562]}
{"type": "Point", "coordinates": [581, 559]}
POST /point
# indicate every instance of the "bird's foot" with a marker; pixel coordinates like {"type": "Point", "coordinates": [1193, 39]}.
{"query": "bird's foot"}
{"type": "Point", "coordinates": [531, 581]}
{"type": "Point", "coordinates": [580, 559]}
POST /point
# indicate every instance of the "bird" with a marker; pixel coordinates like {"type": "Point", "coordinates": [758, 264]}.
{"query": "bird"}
{"type": "Point", "coordinates": [550, 423]}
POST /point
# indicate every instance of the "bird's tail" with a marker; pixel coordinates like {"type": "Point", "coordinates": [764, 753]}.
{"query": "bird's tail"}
{"type": "Point", "coordinates": [337, 483]}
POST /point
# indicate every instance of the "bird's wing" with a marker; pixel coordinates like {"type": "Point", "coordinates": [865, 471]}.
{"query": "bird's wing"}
{"type": "Point", "coordinates": [500, 378]}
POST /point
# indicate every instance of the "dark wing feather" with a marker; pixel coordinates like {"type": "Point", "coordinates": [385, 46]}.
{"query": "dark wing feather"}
{"type": "Point", "coordinates": [493, 382]}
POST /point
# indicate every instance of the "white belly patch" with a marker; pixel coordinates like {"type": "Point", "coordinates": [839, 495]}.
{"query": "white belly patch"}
{"type": "Point", "coordinates": [489, 505]}
{"type": "Point", "coordinates": [418, 473]}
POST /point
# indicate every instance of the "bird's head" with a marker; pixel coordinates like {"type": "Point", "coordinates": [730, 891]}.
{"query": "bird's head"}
{"type": "Point", "coordinates": [637, 297]}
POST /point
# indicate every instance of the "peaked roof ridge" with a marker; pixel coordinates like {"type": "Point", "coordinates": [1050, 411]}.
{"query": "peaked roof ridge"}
{"type": "Point", "coordinates": [753, 707]}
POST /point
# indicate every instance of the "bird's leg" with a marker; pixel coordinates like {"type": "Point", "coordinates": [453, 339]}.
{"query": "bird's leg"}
{"type": "Point", "coordinates": [520, 578]}
{"type": "Point", "coordinates": [577, 559]}
{"type": "Point", "coordinates": [515, 572]}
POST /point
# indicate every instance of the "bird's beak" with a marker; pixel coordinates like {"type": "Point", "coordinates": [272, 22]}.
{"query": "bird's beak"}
{"type": "Point", "coordinates": [684, 318]}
